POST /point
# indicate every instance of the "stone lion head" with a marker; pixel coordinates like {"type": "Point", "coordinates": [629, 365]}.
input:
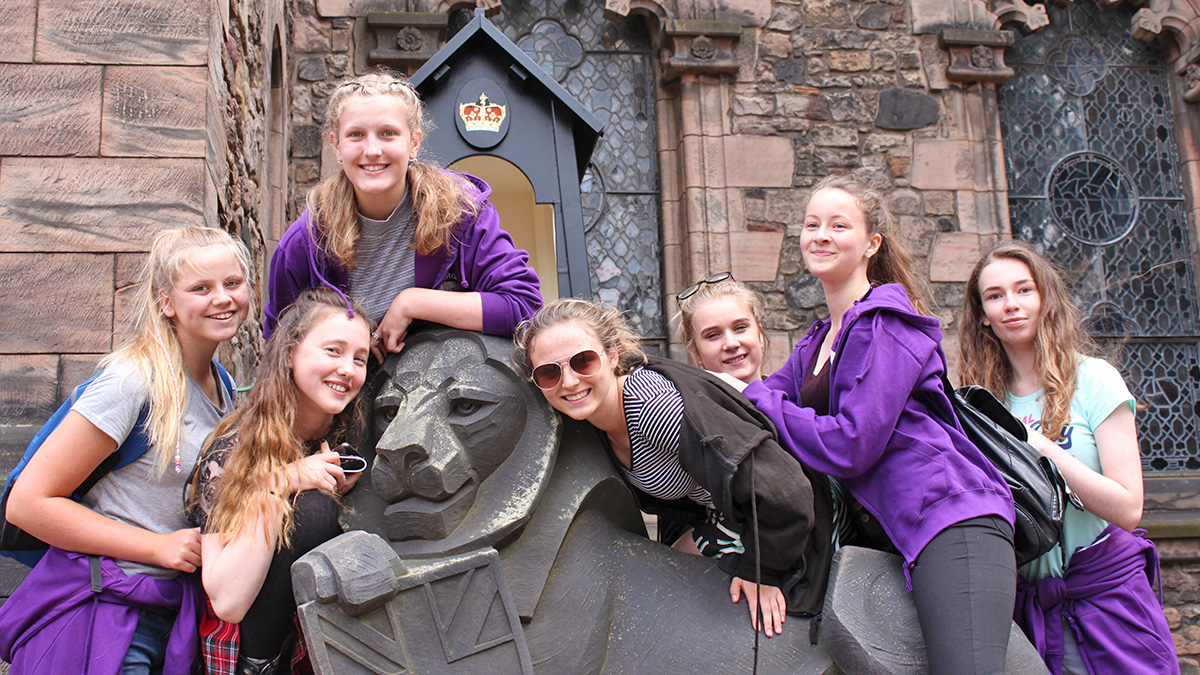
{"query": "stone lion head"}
{"type": "Point", "coordinates": [460, 449]}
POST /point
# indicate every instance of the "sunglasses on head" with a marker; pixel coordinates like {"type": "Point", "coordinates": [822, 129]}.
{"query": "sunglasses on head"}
{"type": "Point", "coordinates": [695, 288]}
{"type": "Point", "coordinates": [548, 375]}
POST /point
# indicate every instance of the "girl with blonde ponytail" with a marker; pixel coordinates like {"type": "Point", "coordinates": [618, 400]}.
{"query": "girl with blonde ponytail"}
{"type": "Point", "coordinates": [410, 240]}
{"type": "Point", "coordinates": [851, 402]}
{"type": "Point", "coordinates": [130, 524]}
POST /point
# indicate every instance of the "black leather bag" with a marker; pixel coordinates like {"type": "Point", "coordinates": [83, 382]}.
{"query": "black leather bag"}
{"type": "Point", "coordinates": [1040, 493]}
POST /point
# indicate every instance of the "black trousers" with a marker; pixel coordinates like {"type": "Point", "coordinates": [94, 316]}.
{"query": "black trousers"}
{"type": "Point", "coordinates": [964, 585]}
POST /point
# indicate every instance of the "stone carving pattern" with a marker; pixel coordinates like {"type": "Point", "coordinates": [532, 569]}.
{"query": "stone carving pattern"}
{"type": "Point", "coordinates": [409, 39]}
{"type": "Point", "coordinates": [1027, 17]}
{"type": "Point", "coordinates": [1141, 286]}
{"type": "Point", "coordinates": [614, 79]}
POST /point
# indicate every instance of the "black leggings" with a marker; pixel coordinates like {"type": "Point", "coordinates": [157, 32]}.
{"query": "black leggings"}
{"type": "Point", "coordinates": [964, 586]}
{"type": "Point", "coordinates": [269, 621]}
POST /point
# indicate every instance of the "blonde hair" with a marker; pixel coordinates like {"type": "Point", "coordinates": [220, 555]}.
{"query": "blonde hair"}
{"type": "Point", "coordinates": [606, 323]}
{"type": "Point", "coordinates": [1060, 341]}
{"type": "Point", "coordinates": [440, 198]}
{"type": "Point", "coordinates": [892, 262]}
{"type": "Point", "coordinates": [263, 428]}
{"type": "Point", "coordinates": [155, 348]}
{"type": "Point", "coordinates": [750, 299]}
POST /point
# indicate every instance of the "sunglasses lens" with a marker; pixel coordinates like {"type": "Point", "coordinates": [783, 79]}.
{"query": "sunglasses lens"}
{"type": "Point", "coordinates": [547, 375]}
{"type": "Point", "coordinates": [585, 363]}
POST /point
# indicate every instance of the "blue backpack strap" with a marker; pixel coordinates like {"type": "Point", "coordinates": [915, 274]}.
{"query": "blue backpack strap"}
{"type": "Point", "coordinates": [138, 441]}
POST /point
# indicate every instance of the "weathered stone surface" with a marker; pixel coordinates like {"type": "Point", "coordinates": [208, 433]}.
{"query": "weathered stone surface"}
{"type": "Point", "coordinates": [942, 165]}
{"type": "Point", "coordinates": [73, 285]}
{"type": "Point", "coordinates": [358, 7]}
{"type": "Point", "coordinates": [875, 17]}
{"type": "Point", "coordinates": [827, 13]}
{"type": "Point", "coordinates": [849, 60]}
{"type": "Point", "coordinates": [930, 16]}
{"type": "Point", "coordinates": [758, 161]}
{"type": "Point", "coordinates": [310, 35]}
{"type": "Point", "coordinates": [306, 140]}
{"type": "Point", "coordinates": [125, 279]}
{"type": "Point", "coordinates": [96, 204]}
{"type": "Point", "coordinates": [848, 106]}
{"type": "Point", "coordinates": [28, 396]}
{"type": "Point", "coordinates": [834, 136]}
{"type": "Point", "coordinates": [905, 202]}
{"type": "Point", "coordinates": [790, 70]}
{"type": "Point", "coordinates": [902, 109]}
{"type": "Point", "coordinates": [805, 292]}
{"type": "Point", "coordinates": [954, 254]}
{"type": "Point", "coordinates": [130, 32]}
{"type": "Point", "coordinates": [802, 105]}
{"type": "Point", "coordinates": [754, 256]}
{"type": "Point", "coordinates": [153, 111]}
{"type": "Point", "coordinates": [49, 110]}
{"type": "Point", "coordinates": [73, 370]}
{"type": "Point", "coordinates": [18, 24]}
{"type": "Point", "coordinates": [312, 68]}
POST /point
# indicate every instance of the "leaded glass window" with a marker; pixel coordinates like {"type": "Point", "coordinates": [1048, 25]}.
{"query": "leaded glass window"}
{"type": "Point", "coordinates": [1094, 184]}
{"type": "Point", "coordinates": [607, 66]}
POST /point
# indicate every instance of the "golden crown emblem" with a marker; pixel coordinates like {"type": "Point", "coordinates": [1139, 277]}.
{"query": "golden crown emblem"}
{"type": "Point", "coordinates": [481, 115]}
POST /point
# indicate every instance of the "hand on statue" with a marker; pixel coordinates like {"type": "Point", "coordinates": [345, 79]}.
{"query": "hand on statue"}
{"type": "Point", "coordinates": [774, 607]}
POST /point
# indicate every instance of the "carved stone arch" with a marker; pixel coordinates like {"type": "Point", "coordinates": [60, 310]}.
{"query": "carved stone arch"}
{"type": "Point", "coordinates": [647, 8]}
{"type": "Point", "coordinates": [1027, 18]}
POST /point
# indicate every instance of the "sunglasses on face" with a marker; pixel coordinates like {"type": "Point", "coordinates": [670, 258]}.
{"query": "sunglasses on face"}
{"type": "Point", "coordinates": [695, 288]}
{"type": "Point", "coordinates": [548, 375]}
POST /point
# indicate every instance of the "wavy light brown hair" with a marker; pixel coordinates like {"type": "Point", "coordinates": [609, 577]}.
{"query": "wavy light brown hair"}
{"type": "Point", "coordinates": [155, 348]}
{"type": "Point", "coordinates": [606, 323]}
{"type": "Point", "coordinates": [440, 198]}
{"type": "Point", "coordinates": [1061, 338]}
{"type": "Point", "coordinates": [264, 426]}
{"type": "Point", "coordinates": [750, 299]}
{"type": "Point", "coordinates": [892, 262]}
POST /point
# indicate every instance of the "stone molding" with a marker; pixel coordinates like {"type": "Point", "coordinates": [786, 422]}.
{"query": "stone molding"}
{"type": "Point", "coordinates": [976, 55]}
{"type": "Point", "coordinates": [404, 40]}
{"type": "Point", "coordinates": [1027, 18]}
{"type": "Point", "coordinates": [696, 47]}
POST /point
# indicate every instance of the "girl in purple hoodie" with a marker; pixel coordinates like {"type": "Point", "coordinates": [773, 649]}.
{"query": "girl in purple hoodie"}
{"type": "Point", "coordinates": [409, 240]}
{"type": "Point", "coordinates": [845, 403]}
{"type": "Point", "coordinates": [1088, 604]}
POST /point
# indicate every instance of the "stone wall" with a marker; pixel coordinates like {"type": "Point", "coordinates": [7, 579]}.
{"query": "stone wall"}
{"type": "Point", "coordinates": [117, 119]}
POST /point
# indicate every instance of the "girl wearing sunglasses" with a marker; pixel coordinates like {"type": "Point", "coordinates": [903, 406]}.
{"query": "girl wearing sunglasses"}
{"type": "Point", "coordinates": [692, 449]}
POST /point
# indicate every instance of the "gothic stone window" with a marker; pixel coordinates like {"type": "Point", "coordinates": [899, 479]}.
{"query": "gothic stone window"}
{"type": "Point", "coordinates": [607, 66]}
{"type": "Point", "coordinates": [1094, 184]}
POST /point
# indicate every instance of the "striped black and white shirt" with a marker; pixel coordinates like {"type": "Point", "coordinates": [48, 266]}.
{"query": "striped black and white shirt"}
{"type": "Point", "coordinates": [654, 413]}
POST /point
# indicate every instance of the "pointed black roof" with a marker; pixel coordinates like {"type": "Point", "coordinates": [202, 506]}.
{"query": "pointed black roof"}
{"type": "Point", "coordinates": [481, 35]}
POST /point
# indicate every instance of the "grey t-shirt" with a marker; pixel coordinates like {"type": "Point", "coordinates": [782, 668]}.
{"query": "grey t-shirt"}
{"type": "Point", "coordinates": [138, 494]}
{"type": "Point", "coordinates": [386, 261]}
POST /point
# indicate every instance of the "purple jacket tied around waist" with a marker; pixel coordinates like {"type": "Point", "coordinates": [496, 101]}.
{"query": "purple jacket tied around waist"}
{"type": "Point", "coordinates": [55, 623]}
{"type": "Point", "coordinates": [916, 475]}
{"type": "Point", "coordinates": [482, 258]}
{"type": "Point", "coordinates": [1107, 598]}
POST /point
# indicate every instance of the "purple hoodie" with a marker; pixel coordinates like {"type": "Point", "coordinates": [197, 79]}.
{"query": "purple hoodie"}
{"type": "Point", "coordinates": [483, 259]}
{"type": "Point", "coordinates": [914, 473]}
{"type": "Point", "coordinates": [1107, 597]}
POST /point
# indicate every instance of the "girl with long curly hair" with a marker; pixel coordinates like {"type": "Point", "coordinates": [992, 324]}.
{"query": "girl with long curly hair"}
{"type": "Point", "coordinates": [266, 489]}
{"type": "Point", "coordinates": [1022, 338]}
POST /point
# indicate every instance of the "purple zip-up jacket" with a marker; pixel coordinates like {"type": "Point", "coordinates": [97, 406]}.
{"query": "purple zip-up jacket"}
{"type": "Point", "coordinates": [483, 259]}
{"type": "Point", "coordinates": [909, 469]}
{"type": "Point", "coordinates": [1107, 597]}
{"type": "Point", "coordinates": [55, 623]}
